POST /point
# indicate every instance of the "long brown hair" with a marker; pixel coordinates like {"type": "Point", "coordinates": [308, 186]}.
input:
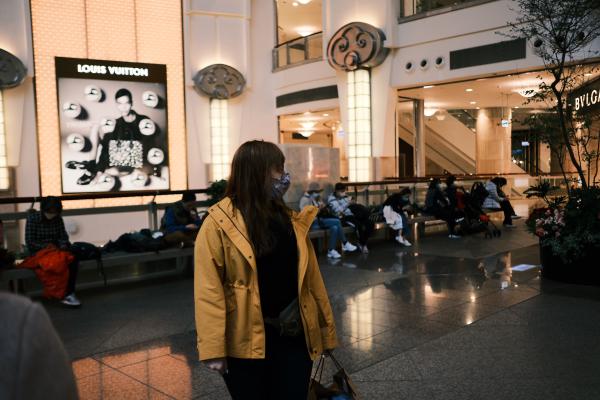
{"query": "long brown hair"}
{"type": "Point", "coordinates": [250, 188]}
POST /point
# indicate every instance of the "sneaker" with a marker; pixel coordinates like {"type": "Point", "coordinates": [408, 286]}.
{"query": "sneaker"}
{"type": "Point", "coordinates": [454, 236]}
{"type": "Point", "coordinates": [403, 241]}
{"type": "Point", "coordinates": [364, 249]}
{"type": "Point", "coordinates": [516, 217]}
{"type": "Point", "coordinates": [71, 301]}
{"type": "Point", "coordinates": [333, 254]}
{"type": "Point", "coordinates": [349, 247]}
{"type": "Point", "coordinates": [459, 220]}
{"type": "Point", "coordinates": [509, 226]}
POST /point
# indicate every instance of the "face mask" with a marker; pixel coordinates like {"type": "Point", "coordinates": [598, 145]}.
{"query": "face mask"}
{"type": "Point", "coordinates": [405, 198]}
{"type": "Point", "coordinates": [341, 194]}
{"type": "Point", "coordinates": [50, 215]}
{"type": "Point", "coordinates": [281, 185]}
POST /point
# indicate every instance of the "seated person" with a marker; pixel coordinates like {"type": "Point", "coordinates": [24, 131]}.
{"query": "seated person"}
{"type": "Point", "coordinates": [46, 227]}
{"type": "Point", "coordinates": [438, 205]}
{"type": "Point", "coordinates": [351, 214]}
{"type": "Point", "coordinates": [395, 214]}
{"type": "Point", "coordinates": [497, 200]}
{"type": "Point", "coordinates": [181, 222]}
{"type": "Point", "coordinates": [325, 220]}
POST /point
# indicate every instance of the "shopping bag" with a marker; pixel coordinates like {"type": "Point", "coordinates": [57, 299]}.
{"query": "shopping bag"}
{"type": "Point", "coordinates": [342, 387]}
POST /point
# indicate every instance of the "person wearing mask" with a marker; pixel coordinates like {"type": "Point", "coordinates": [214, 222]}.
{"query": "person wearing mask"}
{"type": "Point", "coordinates": [325, 220]}
{"type": "Point", "coordinates": [262, 311]}
{"type": "Point", "coordinates": [352, 214]}
{"type": "Point", "coordinates": [395, 214]}
{"type": "Point", "coordinates": [497, 200]}
{"type": "Point", "coordinates": [181, 221]}
{"type": "Point", "coordinates": [438, 205]}
{"type": "Point", "coordinates": [47, 228]}
{"type": "Point", "coordinates": [34, 363]}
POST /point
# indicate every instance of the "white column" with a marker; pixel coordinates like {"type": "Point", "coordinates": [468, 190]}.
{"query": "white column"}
{"type": "Point", "coordinates": [419, 147]}
{"type": "Point", "coordinates": [219, 140]}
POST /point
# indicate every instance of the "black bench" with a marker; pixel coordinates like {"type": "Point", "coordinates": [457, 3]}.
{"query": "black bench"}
{"type": "Point", "coordinates": [15, 276]}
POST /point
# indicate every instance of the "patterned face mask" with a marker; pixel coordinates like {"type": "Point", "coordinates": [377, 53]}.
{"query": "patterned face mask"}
{"type": "Point", "coordinates": [281, 185]}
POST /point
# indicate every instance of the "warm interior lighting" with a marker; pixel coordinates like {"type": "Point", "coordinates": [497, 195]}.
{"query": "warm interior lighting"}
{"type": "Point", "coordinates": [468, 90]}
{"type": "Point", "coordinates": [308, 125]}
{"type": "Point", "coordinates": [219, 139]}
{"type": "Point", "coordinates": [527, 92]}
{"type": "Point", "coordinates": [429, 112]}
{"type": "Point", "coordinates": [306, 133]}
{"type": "Point", "coordinates": [4, 181]}
{"type": "Point", "coordinates": [326, 115]}
{"type": "Point", "coordinates": [427, 86]}
{"type": "Point", "coordinates": [359, 125]}
{"type": "Point", "coordinates": [473, 102]}
{"type": "Point", "coordinates": [304, 2]}
{"type": "Point", "coordinates": [305, 30]}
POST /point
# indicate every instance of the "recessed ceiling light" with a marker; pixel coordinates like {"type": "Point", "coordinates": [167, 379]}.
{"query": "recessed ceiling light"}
{"type": "Point", "coordinates": [307, 113]}
{"type": "Point", "coordinates": [479, 108]}
{"type": "Point", "coordinates": [326, 115]}
{"type": "Point", "coordinates": [473, 102]}
{"type": "Point", "coordinates": [516, 106]}
{"type": "Point", "coordinates": [427, 86]}
{"type": "Point", "coordinates": [468, 90]}
{"type": "Point", "coordinates": [588, 74]}
{"type": "Point", "coordinates": [295, 4]}
{"type": "Point", "coordinates": [304, 2]}
{"type": "Point", "coordinates": [305, 30]}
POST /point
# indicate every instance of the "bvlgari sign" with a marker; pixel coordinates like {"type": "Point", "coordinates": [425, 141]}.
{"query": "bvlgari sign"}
{"type": "Point", "coordinates": [586, 99]}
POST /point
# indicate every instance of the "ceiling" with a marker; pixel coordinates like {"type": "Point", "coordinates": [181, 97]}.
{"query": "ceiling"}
{"type": "Point", "coordinates": [323, 121]}
{"type": "Point", "coordinates": [295, 19]}
{"type": "Point", "coordinates": [483, 93]}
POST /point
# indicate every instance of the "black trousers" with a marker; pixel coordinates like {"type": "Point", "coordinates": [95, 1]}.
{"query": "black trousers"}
{"type": "Point", "coordinates": [445, 214]}
{"type": "Point", "coordinates": [364, 227]}
{"type": "Point", "coordinates": [283, 374]}
{"type": "Point", "coordinates": [73, 270]}
{"type": "Point", "coordinates": [508, 211]}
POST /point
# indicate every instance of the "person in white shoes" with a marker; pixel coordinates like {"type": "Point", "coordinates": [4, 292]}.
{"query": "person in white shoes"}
{"type": "Point", "coordinates": [395, 215]}
{"type": "Point", "coordinates": [312, 197]}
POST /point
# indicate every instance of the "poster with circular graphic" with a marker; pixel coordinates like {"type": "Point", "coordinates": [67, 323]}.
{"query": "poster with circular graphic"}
{"type": "Point", "coordinates": [113, 125]}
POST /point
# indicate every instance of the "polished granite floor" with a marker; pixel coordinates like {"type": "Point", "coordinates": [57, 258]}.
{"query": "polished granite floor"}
{"type": "Point", "coordinates": [444, 319]}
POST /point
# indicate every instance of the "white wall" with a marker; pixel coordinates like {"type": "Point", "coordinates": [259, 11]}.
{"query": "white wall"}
{"type": "Point", "coordinates": [15, 37]}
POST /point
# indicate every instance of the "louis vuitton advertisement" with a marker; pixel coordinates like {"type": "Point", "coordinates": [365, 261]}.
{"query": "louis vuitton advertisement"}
{"type": "Point", "coordinates": [113, 125]}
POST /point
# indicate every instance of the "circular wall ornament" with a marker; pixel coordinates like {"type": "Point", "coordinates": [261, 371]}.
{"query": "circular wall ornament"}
{"type": "Point", "coordinates": [76, 141]}
{"type": "Point", "coordinates": [150, 99]}
{"type": "Point", "coordinates": [12, 70]}
{"type": "Point", "coordinates": [147, 127]}
{"type": "Point", "coordinates": [71, 110]}
{"type": "Point", "coordinates": [107, 125]}
{"type": "Point", "coordinates": [219, 81]}
{"type": "Point", "coordinates": [93, 93]}
{"type": "Point", "coordinates": [356, 45]}
{"type": "Point", "coordinates": [156, 156]}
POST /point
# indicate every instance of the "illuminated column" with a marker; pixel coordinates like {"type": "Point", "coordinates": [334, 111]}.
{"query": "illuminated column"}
{"type": "Point", "coordinates": [4, 181]}
{"type": "Point", "coordinates": [494, 150]}
{"type": "Point", "coordinates": [219, 140]}
{"type": "Point", "coordinates": [219, 82]}
{"type": "Point", "coordinates": [359, 125]}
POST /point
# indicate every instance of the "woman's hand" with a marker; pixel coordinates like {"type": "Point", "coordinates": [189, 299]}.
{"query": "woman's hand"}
{"type": "Point", "coordinates": [217, 364]}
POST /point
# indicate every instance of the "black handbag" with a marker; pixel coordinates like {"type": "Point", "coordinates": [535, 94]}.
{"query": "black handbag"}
{"type": "Point", "coordinates": [289, 321]}
{"type": "Point", "coordinates": [341, 388]}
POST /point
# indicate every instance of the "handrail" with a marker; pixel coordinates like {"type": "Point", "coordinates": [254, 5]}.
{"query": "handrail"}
{"type": "Point", "coordinates": [297, 38]}
{"type": "Point", "coordinates": [97, 196]}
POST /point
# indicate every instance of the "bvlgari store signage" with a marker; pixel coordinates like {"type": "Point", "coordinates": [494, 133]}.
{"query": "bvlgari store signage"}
{"type": "Point", "coordinates": [586, 99]}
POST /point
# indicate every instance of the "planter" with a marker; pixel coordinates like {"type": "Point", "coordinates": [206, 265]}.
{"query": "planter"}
{"type": "Point", "coordinates": [583, 271]}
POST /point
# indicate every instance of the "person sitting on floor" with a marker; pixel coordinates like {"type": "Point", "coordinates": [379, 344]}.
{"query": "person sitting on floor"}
{"type": "Point", "coordinates": [326, 220]}
{"type": "Point", "coordinates": [351, 214]}
{"type": "Point", "coordinates": [395, 214]}
{"type": "Point", "coordinates": [181, 222]}
{"type": "Point", "coordinates": [497, 200]}
{"type": "Point", "coordinates": [438, 205]}
{"type": "Point", "coordinates": [46, 228]}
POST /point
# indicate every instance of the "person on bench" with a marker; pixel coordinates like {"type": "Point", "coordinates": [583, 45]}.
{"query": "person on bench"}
{"type": "Point", "coordinates": [46, 228]}
{"type": "Point", "coordinates": [438, 205]}
{"type": "Point", "coordinates": [351, 214]}
{"type": "Point", "coordinates": [395, 214]}
{"type": "Point", "coordinates": [181, 221]}
{"type": "Point", "coordinates": [497, 200]}
{"type": "Point", "coordinates": [326, 220]}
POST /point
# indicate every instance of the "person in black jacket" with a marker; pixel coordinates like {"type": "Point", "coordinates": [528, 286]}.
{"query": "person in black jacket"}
{"type": "Point", "coordinates": [438, 205]}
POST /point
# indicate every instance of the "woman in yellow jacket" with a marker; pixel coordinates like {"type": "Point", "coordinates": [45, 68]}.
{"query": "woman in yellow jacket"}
{"type": "Point", "coordinates": [263, 341]}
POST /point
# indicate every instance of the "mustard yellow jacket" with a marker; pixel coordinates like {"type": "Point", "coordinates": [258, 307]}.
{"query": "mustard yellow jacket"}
{"type": "Point", "coordinates": [229, 320]}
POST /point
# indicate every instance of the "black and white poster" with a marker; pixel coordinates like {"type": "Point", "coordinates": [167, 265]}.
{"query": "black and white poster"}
{"type": "Point", "coordinates": [113, 125]}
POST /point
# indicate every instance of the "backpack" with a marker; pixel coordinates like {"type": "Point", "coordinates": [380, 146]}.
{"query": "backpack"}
{"type": "Point", "coordinates": [136, 242]}
{"type": "Point", "coordinates": [88, 251]}
{"type": "Point", "coordinates": [479, 193]}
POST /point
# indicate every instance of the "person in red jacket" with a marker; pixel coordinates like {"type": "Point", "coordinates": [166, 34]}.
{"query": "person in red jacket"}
{"type": "Point", "coordinates": [46, 227]}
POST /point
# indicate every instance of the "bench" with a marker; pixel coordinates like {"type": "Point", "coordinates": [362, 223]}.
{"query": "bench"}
{"type": "Point", "coordinates": [17, 275]}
